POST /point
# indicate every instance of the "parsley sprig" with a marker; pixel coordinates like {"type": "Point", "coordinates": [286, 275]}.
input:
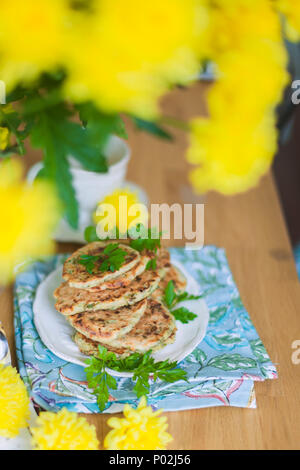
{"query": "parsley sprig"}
{"type": "Point", "coordinates": [148, 240]}
{"type": "Point", "coordinates": [143, 367]}
{"type": "Point", "coordinates": [171, 298]}
{"type": "Point", "coordinates": [111, 259]}
{"type": "Point", "coordinates": [140, 237]}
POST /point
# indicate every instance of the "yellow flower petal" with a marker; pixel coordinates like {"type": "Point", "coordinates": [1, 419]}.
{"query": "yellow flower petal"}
{"type": "Point", "coordinates": [32, 38]}
{"type": "Point", "coordinates": [14, 402]}
{"type": "Point", "coordinates": [291, 11]}
{"type": "Point", "coordinates": [63, 431]}
{"type": "Point", "coordinates": [141, 430]}
{"type": "Point", "coordinates": [28, 216]}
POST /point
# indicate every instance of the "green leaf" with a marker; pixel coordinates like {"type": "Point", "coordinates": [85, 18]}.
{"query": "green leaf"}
{"type": "Point", "coordinates": [78, 144]}
{"type": "Point", "coordinates": [147, 239]}
{"type": "Point", "coordinates": [59, 137]}
{"type": "Point", "coordinates": [142, 366]}
{"type": "Point", "coordinates": [172, 376]}
{"type": "Point", "coordinates": [170, 294]}
{"type": "Point", "coordinates": [171, 298]}
{"type": "Point", "coordinates": [46, 135]}
{"type": "Point", "coordinates": [186, 296]}
{"type": "Point", "coordinates": [111, 259]}
{"type": "Point", "coordinates": [183, 314]}
{"type": "Point", "coordinates": [152, 128]}
{"type": "Point", "coordinates": [100, 125]}
{"type": "Point", "coordinates": [78, 141]}
{"type": "Point", "coordinates": [90, 234]}
{"type": "Point", "coordinates": [151, 264]}
{"type": "Point", "coordinates": [141, 386]}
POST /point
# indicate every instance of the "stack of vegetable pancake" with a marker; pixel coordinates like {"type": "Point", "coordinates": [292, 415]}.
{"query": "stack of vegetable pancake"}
{"type": "Point", "coordinates": [121, 309]}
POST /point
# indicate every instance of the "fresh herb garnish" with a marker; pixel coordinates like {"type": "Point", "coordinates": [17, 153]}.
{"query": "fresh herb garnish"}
{"type": "Point", "coordinates": [151, 264]}
{"type": "Point", "coordinates": [148, 240]}
{"type": "Point", "coordinates": [111, 259]}
{"type": "Point", "coordinates": [142, 365]}
{"type": "Point", "coordinates": [171, 298]}
{"type": "Point", "coordinates": [183, 314]}
{"type": "Point", "coordinates": [97, 377]}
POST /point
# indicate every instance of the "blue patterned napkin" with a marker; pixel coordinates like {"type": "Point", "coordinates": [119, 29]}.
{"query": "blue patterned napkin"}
{"type": "Point", "coordinates": [221, 370]}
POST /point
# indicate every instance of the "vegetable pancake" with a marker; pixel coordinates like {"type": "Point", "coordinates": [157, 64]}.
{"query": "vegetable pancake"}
{"type": "Point", "coordinates": [154, 327]}
{"type": "Point", "coordinates": [124, 279]}
{"type": "Point", "coordinates": [90, 347]}
{"type": "Point", "coordinates": [106, 325]}
{"type": "Point", "coordinates": [77, 274]}
{"type": "Point", "coordinates": [72, 300]}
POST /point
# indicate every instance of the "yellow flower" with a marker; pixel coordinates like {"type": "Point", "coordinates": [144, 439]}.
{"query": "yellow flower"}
{"type": "Point", "coordinates": [63, 431]}
{"type": "Point", "coordinates": [250, 83]}
{"type": "Point", "coordinates": [235, 145]}
{"type": "Point", "coordinates": [4, 138]}
{"type": "Point", "coordinates": [141, 429]}
{"type": "Point", "coordinates": [14, 402]}
{"type": "Point", "coordinates": [28, 217]}
{"type": "Point", "coordinates": [231, 155]}
{"type": "Point", "coordinates": [32, 36]}
{"type": "Point", "coordinates": [291, 11]}
{"type": "Point", "coordinates": [235, 23]}
{"type": "Point", "coordinates": [129, 52]}
{"type": "Point", "coordinates": [121, 209]}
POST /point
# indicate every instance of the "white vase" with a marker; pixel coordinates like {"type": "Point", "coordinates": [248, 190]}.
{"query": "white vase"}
{"type": "Point", "coordinates": [91, 187]}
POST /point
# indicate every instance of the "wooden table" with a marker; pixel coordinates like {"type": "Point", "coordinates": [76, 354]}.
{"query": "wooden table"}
{"type": "Point", "coordinates": [251, 227]}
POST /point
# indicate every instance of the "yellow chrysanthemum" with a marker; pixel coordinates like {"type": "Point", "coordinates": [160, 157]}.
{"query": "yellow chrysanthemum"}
{"type": "Point", "coordinates": [232, 157]}
{"type": "Point", "coordinates": [14, 402]}
{"type": "Point", "coordinates": [141, 429]}
{"type": "Point", "coordinates": [4, 138]}
{"type": "Point", "coordinates": [28, 217]}
{"type": "Point", "coordinates": [235, 145]}
{"type": "Point", "coordinates": [121, 209]}
{"type": "Point", "coordinates": [129, 52]}
{"type": "Point", "coordinates": [236, 23]}
{"type": "Point", "coordinates": [254, 94]}
{"type": "Point", "coordinates": [32, 35]}
{"type": "Point", "coordinates": [291, 11]}
{"type": "Point", "coordinates": [64, 430]}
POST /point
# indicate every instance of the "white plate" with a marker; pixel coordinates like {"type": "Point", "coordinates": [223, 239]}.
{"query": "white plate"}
{"type": "Point", "coordinates": [56, 333]}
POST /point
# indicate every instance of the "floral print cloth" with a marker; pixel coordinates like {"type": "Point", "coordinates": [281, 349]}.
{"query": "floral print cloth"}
{"type": "Point", "coordinates": [221, 370]}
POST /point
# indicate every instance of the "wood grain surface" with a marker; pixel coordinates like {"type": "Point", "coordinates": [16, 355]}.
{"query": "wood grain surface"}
{"type": "Point", "coordinates": [251, 228]}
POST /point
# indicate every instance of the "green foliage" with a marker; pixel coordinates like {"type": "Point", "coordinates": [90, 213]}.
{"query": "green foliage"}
{"type": "Point", "coordinates": [99, 125]}
{"type": "Point", "coordinates": [111, 259]}
{"type": "Point", "coordinates": [183, 314]}
{"type": "Point", "coordinates": [53, 126]}
{"type": "Point", "coordinates": [46, 134]}
{"type": "Point", "coordinates": [171, 298]}
{"type": "Point", "coordinates": [151, 264]}
{"type": "Point", "coordinates": [147, 239]}
{"type": "Point", "coordinates": [97, 377]}
{"type": "Point", "coordinates": [90, 234]}
{"type": "Point", "coordinates": [152, 128]}
{"type": "Point", "coordinates": [144, 242]}
{"type": "Point", "coordinates": [142, 365]}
